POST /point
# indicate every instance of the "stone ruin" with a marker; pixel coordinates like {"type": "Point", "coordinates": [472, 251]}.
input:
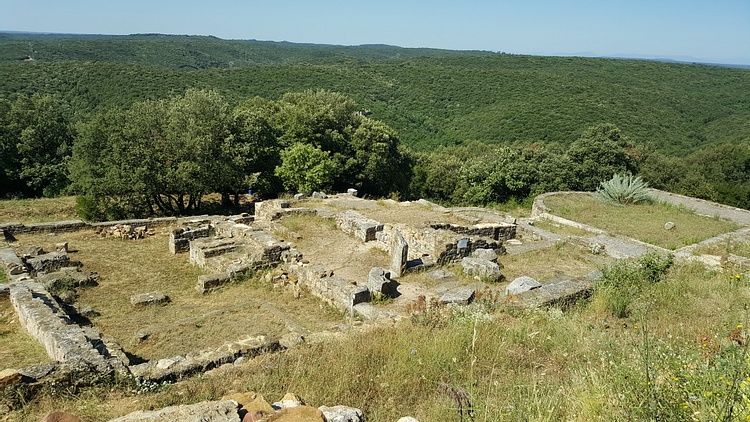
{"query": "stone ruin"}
{"type": "Point", "coordinates": [230, 247]}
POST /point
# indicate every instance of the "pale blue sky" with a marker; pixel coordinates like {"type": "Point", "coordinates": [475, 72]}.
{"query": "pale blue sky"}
{"type": "Point", "coordinates": [704, 30]}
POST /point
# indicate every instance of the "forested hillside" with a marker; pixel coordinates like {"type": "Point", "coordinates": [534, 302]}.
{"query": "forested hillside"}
{"type": "Point", "coordinates": [686, 126]}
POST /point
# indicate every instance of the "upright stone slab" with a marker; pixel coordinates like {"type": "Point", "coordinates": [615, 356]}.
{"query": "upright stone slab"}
{"type": "Point", "coordinates": [379, 281]}
{"type": "Point", "coordinates": [400, 251]}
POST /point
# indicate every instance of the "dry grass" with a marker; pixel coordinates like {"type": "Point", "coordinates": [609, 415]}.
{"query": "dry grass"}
{"type": "Point", "coordinates": [38, 210]}
{"type": "Point", "coordinates": [580, 365]}
{"type": "Point", "coordinates": [190, 321]}
{"type": "Point", "coordinates": [642, 222]}
{"type": "Point", "coordinates": [730, 246]}
{"type": "Point", "coordinates": [563, 258]}
{"type": "Point", "coordinates": [321, 242]}
{"type": "Point", "coordinates": [17, 348]}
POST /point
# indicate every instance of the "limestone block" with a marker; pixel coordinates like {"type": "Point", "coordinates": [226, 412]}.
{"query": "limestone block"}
{"type": "Point", "coordinates": [299, 196]}
{"type": "Point", "coordinates": [564, 292]}
{"type": "Point", "coordinates": [319, 195]}
{"type": "Point", "coordinates": [400, 255]}
{"type": "Point", "coordinates": [61, 417]}
{"type": "Point", "coordinates": [458, 296]}
{"type": "Point", "coordinates": [213, 411]}
{"type": "Point", "coordinates": [352, 192]}
{"type": "Point", "coordinates": [342, 414]}
{"type": "Point", "coordinates": [61, 247]}
{"type": "Point", "coordinates": [209, 282]}
{"type": "Point", "coordinates": [289, 400]}
{"type": "Point", "coordinates": [407, 419]}
{"type": "Point", "coordinates": [520, 285]}
{"type": "Point", "coordinates": [9, 377]}
{"type": "Point", "coordinates": [251, 401]}
{"type": "Point", "coordinates": [482, 269]}
{"type": "Point", "coordinates": [488, 254]}
{"type": "Point", "coordinates": [48, 262]}
{"type": "Point", "coordinates": [379, 282]}
{"type": "Point", "coordinates": [356, 224]}
{"type": "Point", "coordinates": [11, 262]}
{"type": "Point", "coordinates": [152, 298]}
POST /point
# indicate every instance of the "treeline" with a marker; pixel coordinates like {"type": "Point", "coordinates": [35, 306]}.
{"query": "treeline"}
{"type": "Point", "coordinates": [160, 157]}
{"type": "Point", "coordinates": [499, 99]}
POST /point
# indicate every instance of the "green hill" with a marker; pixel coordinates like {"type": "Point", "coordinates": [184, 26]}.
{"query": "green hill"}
{"type": "Point", "coordinates": [431, 97]}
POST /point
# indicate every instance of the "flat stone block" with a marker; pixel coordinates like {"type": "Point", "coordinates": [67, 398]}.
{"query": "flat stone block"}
{"type": "Point", "coordinates": [145, 299]}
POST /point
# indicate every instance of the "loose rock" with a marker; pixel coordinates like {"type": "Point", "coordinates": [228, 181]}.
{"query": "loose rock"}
{"type": "Point", "coordinates": [520, 285]}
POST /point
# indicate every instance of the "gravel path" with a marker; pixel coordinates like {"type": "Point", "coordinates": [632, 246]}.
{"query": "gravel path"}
{"type": "Point", "coordinates": [700, 206]}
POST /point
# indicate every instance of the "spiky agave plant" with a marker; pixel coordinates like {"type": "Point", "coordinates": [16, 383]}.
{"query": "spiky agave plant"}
{"type": "Point", "coordinates": [623, 190]}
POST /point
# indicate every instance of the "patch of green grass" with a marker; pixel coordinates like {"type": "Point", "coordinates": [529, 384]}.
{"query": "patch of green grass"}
{"type": "Point", "coordinates": [729, 246]}
{"type": "Point", "coordinates": [564, 258]}
{"type": "Point", "coordinates": [643, 222]}
{"type": "Point", "coordinates": [562, 229]}
{"type": "Point", "coordinates": [38, 210]}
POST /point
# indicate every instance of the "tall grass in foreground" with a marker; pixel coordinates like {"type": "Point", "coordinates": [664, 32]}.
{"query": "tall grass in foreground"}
{"type": "Point", "coordinates": [680, 354]}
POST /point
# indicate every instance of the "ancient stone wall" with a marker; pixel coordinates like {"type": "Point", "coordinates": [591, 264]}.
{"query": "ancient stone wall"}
{"type": "Point", "coordinates": [45, 320]}
{"type": "Point", "coordinates": [356, 224]}
{"type": "Point", "coordinates": [337, 292]}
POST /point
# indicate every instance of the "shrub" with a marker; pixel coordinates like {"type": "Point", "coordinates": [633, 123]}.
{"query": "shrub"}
{"type": "Point", "coordinates": [624, 190]}
{"type": "Point", "coordinates": [622, 282]}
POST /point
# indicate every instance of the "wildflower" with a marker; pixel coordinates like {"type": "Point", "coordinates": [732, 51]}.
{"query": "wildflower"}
{"type": "Point", "coordinates": [739, 326]}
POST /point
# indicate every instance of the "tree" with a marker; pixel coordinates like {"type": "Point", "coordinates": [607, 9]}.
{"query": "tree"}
{"type": "Point", "coordinates": [306, 168]}
{"type": "Point", "coordinates": [36, 138]}
{"type": "Point", "coordinates": [599, 153]}
{"type": "Point", "coordinates": [161, 155]}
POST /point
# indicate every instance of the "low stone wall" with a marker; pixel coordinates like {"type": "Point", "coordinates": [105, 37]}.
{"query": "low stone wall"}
{"type": "Point", "coordinates": [180, 237]}
{"type": "Point", "coordinates": [45, 320]}
{"type": "Point", "coordinates": [339, 293]}
{"type": "Point", "coordinates": [171, 369]}
{"type": "Point", "coordinates": [243, 248]}
{"type": "Point", "coordinates": [356, 224]}
{"type": "Point", "coordinates": [493, 231]}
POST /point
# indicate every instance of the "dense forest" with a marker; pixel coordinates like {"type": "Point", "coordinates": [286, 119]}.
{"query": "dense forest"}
{"type": "Point", "coordinates": [456, 126]}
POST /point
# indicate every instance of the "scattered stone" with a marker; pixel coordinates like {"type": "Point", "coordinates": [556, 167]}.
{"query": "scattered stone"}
{"type": "Point", "coordinates": [510, 219]}
{"type": "Point", "coordinates": [488, 254]}
{"type": "Point", "coordinates": [61, 417]}
{"type": "Point", "coordinates": [298, 414]}
{"type": "Point", "coordinates": [142, 336]}
{"type": "Point", "coordinates": [342, 414]}
{"type": "Point", "coordinates": [9, 377]}
{"type": "Point", "coordinates": [145, 299]}
{"type": "Point", "coordinates": [440, 275]}
{"type": "Point", "coordinates": [482, 269]}
{"type": "Point", "coordinates": [513, 242]}
{"type": "Point", "coordinates": [289, 400]}
{"type": "Point", "coordinates": [299, 196]}
{"type": "Point", "coordinates": [254, 416]}
{"type": "Point", "coordinates": [407, 419]}
{"type": "Point", "coordinates": [290, 340]}
{"type": "Point", "coordinates": [34, 251]}
{"type": "Point", "coordinates": [458, 296]}
{"type": "Point", "coordinates": [319, 195]}
{"type": "Point", "coordinates": [48, 262]}
{"type": "Point", "coordinates": [352, 192]}
{"type": "Point", "coordinates": [668, 225]}
{"type": "Point", "coordinates": [208, 282]}
{"type": "Point", "coordinates": [62, 247]}
{"type": "Point", "coordinates": [520, 285]}
{"type": "Point", "coordinates": [284, 204]}
{"type": "Point", "coordinates": [251, 401]}
{"type": "Point", "coordinates": [213, 411]}
{"type": "Point", "coordinates": [88, 312]}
